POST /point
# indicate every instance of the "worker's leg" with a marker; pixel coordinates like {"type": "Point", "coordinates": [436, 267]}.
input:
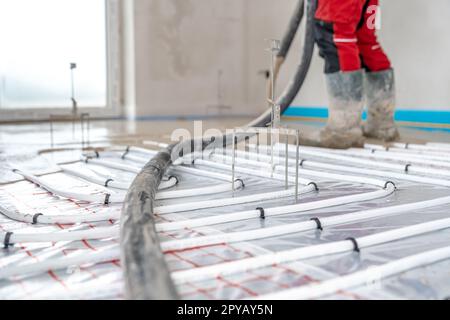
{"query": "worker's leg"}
{"type": "Point", "coordinates": [345, 96]}
{"type": "Point", "coordinates": [344, 78]}
{"type": "Point", "coordinates": [379, 79]}
{"type": "Point", "coordinates": [338, 46]}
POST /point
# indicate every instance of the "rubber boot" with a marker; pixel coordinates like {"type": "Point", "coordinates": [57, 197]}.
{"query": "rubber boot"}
{"type": "Point", "coordinates": [344, 128]}
{"type": "Point", "coordinates": [380, 97]}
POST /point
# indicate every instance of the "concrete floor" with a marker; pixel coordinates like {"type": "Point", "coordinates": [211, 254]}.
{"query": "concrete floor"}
{"type": "Point", "coordinates": [15, 136]}
{"type": "Point", "coordinates": [20, 143]}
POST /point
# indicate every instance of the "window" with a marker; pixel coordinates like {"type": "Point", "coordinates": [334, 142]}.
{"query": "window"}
{"type": "Point", "coordinates": [40, 39]}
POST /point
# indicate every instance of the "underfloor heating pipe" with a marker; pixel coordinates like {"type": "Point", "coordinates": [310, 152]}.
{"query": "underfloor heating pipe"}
{"type": "Point", "coordinates": [168, 183]}
{"type": "Point", "coordinates": [60, 263]}
{"type": "Point", "coordinates": [400, 157]}
{"type": "Point", "coordinates": [251, 172]}
{"type": "Point", "coordinates": [195, 205]}
{"type": "Point", "coordinates": [105, 198]}
{"type": "Point", "coordinates": [175, 245]}
{"type": "Point", "coordinates": [270, 212]}
{"type": "Point", "coordinates": [93, 178]}
{"type": "Point", "coordinates": [216, 203]}
{"type": "Point", "coordinates": [439, 145]}
{"type": "Point", "coordinates": [438, 153]}
{"type": "Point", "coordinates": [428, 149]}
{"type": "Point", "coordinates": [183, 169]}
{"type": "Point", "coordinates": [350, 169]}
{"type": "Point", "coordinates": [305, 172]}
{"type": "Point", "coordinates": [10, 238]}
{"type": "Point", "coordinates": [161, 195]}
{"type": "Point", "coordinates": [411, 146]}
{"type": "Point", "coordinates": [264, 260]}
{"type": "Point", "coordinates": [137, 169]}
{"type": "Point", "coordinates": [441, 154]}
{"type": "Point", "coordinates": [370, 148]}
{"type": "Point", "coordinates": [40, 218]}
{"type": "Point", "coordinates": [407, 168]}
{"type": "Point", "coordinates": [309, 252]}
{"type": "Point", "coordinates": [366, 277]}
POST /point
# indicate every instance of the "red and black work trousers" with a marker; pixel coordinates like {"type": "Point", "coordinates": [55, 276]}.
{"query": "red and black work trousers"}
{"type": "Point", "coordinates": [346, 35]}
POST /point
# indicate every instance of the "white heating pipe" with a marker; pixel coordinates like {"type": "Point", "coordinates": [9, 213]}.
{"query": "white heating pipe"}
{"type": "Point", "coordinates": [238, 216]}
{"type": "Point", "coordinates": [190, 206]}
{"type": "Point", "coordinates": [250, 172]}
{"type": "Point", "coordinates": [204, 173]}
{"type": "Point", "coordinates": [60, 263]}
{"type": "Point", "coordinates": [301, 226]}
{"type": "Point", "coordinates": [214, 189]}
{"type": "Point", "coordinates": [188, 170]}
{"type": "Point", "coordinates": [91, 234]}
{"type": "Point", "coordinates": [271, 212]}
{"type": "Point", "coordinates": [439, 145]}
{"type": "Point", "coordinates": [317, 174]}
{"type": "Point", "coordinates": [109, 182]}
{"type": "Point", "coordinates": [370, 148]}
{"type": "Point", "coordinates": [399, 157]}
{"type": "Point", "coordinates": [171, 182]}
{"type": "Point", "coordinates": [38, 218]}
{"type": "Point", "coordinates": [204, 273]}
{"type": "Point", "coordinates": [113, 165]}
{"type": "Point", "coordinates": [188, 161]}
{"type": "Point", "coordinates": [320, 165]}
{"type": "Point", "coordinates": [155, 144]}
{"type": "Point", "coordinates": [127, 149]}
{"type": "Point", "coordinates": [369, 163]}
{"type": "Point", "coordinates": [143, 150]}
{"type": "Point", "coordinates": [411, 169]}
{"type": "Point", "coordinates": [314, 251]}
{"type": "Point", "coordinates": [421, 147]}
{"type": "Point", "coordinates": [165, 184]}
{"type": "Point", "coordinates": [162, 194]}
{"type": "Point", "coordinates": [443, 155]}
{"type": "Point", "coordinates": [248, 199]}
{"type": "Point", "coordinates": [311, 186]}
{"type": "Point", "coordinates": [366, 277]}
{"type": "Point", "coordinates": [93, 198]}
{"type": "Point", "coordinates": [208, 173]}
{"type": "Point", "coordinates": [134, 169]}
{"type": "Point", "coordinates": [385, 152]}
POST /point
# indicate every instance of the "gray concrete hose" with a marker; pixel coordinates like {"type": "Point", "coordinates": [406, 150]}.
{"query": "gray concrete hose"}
{"type": "Point", "coordinates": [146, 273]}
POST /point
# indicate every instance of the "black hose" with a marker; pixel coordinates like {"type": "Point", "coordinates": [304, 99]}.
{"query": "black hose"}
{"type": "Point", "coordinates": [293, 26]}
{"type": "Point", "coordinates": [296, 83]}
{"type": "Point", "coordinates": [146, 273]}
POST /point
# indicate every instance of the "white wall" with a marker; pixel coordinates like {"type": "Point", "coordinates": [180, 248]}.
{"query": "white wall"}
{"type": "Point", "coordinates": [180, 46]}
{"type": "Point", "coordinates": [415, 34]}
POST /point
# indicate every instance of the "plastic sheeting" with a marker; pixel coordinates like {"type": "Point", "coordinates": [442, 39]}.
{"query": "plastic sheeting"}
{"type": "Point", "coordinates": [104, 281]}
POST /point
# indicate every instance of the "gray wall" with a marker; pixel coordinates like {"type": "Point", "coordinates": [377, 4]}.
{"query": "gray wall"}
{"type": "Point", "coordinates": [180, 46]}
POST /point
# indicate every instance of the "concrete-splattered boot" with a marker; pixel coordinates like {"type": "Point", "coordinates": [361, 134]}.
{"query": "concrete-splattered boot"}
{"type": "Point", "coordinates": [380, 98]}
{"type": "Point", "coordinates": [343, 129]}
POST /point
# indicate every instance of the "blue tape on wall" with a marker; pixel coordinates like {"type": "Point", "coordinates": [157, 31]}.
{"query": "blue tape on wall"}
{"type": "Point", "coordinates": [417, 116]}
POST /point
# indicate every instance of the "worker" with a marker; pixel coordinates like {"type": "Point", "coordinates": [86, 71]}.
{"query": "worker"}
{"type": "Point", "coordinates": [357, 70]}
